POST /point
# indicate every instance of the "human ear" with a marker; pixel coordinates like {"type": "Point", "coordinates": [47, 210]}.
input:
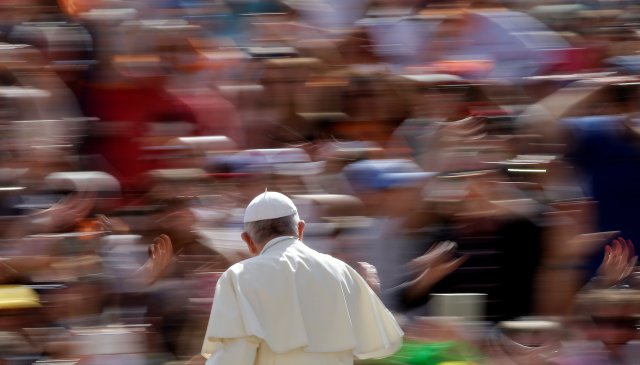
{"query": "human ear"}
{"type": "Point", "coordinates": [300, 229]}
{"type": "Point", "coordinates": [250, 244]}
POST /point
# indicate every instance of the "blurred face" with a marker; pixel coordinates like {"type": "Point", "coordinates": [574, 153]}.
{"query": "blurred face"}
{"type": "Point", "coordinates": [401, 201]}
{"type": "Point", "coordinates": [440, 101]}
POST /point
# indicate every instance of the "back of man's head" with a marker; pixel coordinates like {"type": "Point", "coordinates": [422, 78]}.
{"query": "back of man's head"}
{"type": "Point", "coordinates": [263, 231]}
{"type": "Point", "coordinates": [271, 215]}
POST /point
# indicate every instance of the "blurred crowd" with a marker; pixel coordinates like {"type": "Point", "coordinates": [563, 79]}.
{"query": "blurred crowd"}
{"type": "Point", "coordinates": [478, 162]}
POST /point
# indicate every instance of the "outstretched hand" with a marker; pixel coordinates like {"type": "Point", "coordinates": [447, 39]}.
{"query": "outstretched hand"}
{"type": "Point", "coordinates": [110, 224]}
{"type": "Point", "coordinates": [63, 214]}
{"type": "Point", "coordinates": [432, 267]}
{"type": "Point", "coordinates": [618, 263]}
{"type": "Point", "coordinates": [438, 253]}
{"type": "Point", "coordinates": [370, 274]}
{"type": "Point", "coordinates": [160, 255]}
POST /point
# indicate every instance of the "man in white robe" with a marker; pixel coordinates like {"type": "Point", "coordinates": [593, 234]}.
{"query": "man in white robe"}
{"type": "Point", "coordinates": [292, 305]}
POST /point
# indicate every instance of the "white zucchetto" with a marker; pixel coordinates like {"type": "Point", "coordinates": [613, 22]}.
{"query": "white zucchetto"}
{"type": "Point", "coordinates": [269, 205]}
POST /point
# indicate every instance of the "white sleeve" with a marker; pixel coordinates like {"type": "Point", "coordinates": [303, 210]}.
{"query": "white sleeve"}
{"type": "Point", "coordinates": [235, 351]}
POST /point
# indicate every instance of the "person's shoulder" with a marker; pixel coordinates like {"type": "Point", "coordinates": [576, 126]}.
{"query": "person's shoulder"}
{"type": "Point", "coordinates": [261, 265]}
{"type": "Point", "coordinates": [265, 264]}
{"type": "Point", "coordinates": [334, 263]}
{"type": "Point", "coordinates": [246, 264]}
{"type": "Point", "coordinates": [319, 255]}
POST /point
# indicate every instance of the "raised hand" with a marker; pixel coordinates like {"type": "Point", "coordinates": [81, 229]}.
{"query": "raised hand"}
{"type": "Point", "coordinates": [370, 274]}
{"type": "Point", "coordinates": [160, 255]}
{"type": "Point", "coordinates": [571, 236]}
{"type": "Point", "coordinates": [618, 263]}
{"type": "Point", "coordinates": [63, 214]}
{"type": "Point", "coordinates": [108, 224]}
{"type": "Point", "coordinates": [440, 252]}
{"type": "Point", "coordinates": [432, 267]}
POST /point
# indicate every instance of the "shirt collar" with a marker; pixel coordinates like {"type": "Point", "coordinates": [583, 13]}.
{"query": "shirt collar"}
{"type": "Point", "coordinates": [274, 242]}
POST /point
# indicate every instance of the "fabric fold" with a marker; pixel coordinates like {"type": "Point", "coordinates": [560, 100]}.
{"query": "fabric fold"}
{"type": "Point", "coordinates": [292, 298]}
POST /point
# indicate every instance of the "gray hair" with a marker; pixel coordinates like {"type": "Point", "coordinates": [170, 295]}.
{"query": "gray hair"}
{"type": "Point", "coordinates": [265, 230]}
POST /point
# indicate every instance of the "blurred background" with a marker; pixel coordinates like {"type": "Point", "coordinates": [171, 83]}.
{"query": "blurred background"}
{"type": "Point", "coordinates": [478, 162]}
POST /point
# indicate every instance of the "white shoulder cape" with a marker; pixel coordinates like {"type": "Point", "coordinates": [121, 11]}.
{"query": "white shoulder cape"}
{"type": "Point", "coordinates": [293, 297]}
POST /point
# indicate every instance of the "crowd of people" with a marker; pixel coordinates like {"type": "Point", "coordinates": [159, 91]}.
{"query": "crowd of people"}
{"type": "Point", "coordinates": [476, 162]}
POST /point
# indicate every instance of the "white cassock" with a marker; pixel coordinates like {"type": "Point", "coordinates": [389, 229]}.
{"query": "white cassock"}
{"type": "Point", "coordinates": [293, 305]}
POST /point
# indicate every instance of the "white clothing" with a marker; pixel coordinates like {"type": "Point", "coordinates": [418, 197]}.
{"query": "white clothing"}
{"type": "Point", "coordinates": [293, 305]}
{"type": "Point", "coordinates": [251, 350]}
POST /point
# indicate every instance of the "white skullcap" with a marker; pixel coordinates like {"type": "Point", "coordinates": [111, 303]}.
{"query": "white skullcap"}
{"type": "Point", "coordinates": [269, 205]}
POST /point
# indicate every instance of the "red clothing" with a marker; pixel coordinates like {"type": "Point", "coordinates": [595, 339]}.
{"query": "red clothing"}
{"type": "Point", "coordinates": [215, 114]}
{"type": "Point", "coordinates": [129, 109]}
